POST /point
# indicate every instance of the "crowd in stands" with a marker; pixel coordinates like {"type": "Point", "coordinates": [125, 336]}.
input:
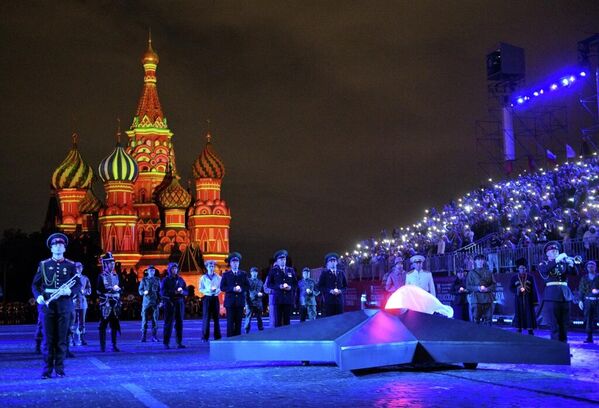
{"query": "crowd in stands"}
{"type": "Point", "coordinates": [533, 208]}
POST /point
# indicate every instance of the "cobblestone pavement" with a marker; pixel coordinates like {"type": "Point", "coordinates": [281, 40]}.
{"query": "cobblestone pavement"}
{"type": "Point", "coordinates": [145, 374]}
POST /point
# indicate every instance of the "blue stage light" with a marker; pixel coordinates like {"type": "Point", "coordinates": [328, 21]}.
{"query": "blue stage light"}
{"type": "Point", "coordinates": [535, 93]}
{"type": "Point", "coordinates": [565, 82]}
{"type": "Point", "coordinates": [583, 74]}
{"type": "Point", "coordinates": [572, 78]}
{"type": "Point", "coordinates": [520, 100]}
{"type": "Point", "coordinates": [553, 87]}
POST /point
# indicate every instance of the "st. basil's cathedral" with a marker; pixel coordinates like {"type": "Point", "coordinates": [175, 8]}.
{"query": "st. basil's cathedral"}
{"type": "Point", "coordinates": [148, 215]}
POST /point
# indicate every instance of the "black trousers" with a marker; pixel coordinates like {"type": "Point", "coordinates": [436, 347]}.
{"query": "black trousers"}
{"type": "Point", "coordinates": [210, 311]}
{"type": "Point", "coordinates": [283, 316]}
{"type": "Point", "coordinates": [115, 326]}
{"type": "Point", "coordinates": [332, 309]}
{"type": "Point", "coordinates": [558, 319]}
{"type": "Point", "coordinates": [173, 314]}
{"type": "Point", "coordinates": [56, 320]}
{"type": "Point", "coordinates": [251, 312]}
{"type": "Point", "coordinates": [481, 313]}
{"type": "Point", "coordinates": [591, 313]}
{"type": "Point", "coordinates": [234, 317]}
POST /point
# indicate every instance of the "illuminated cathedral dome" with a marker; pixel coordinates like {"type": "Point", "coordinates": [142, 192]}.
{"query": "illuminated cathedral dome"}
{"type": "Point", "coordinates": [208, 164]}
{"type": "Point", "coordinates": [73, 172]}
{"type": "Point", "coordinates": [150, 56]}
{"type": "Point", "coordinates": [90, 203]}
{"type": "Point", "coordinates": [174, 195]}
{"type": "Point", "coordinates": [118, 166]}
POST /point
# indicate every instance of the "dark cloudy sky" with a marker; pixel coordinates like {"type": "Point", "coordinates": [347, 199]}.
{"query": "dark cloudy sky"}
{"type": "Point", "coordinates": [334, 119]}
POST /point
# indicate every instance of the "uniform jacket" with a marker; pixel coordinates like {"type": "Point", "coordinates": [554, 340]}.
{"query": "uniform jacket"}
{"type": "Point", "coordinates": [459, 298]}
{"type": "Point", "coordinates": [476, 278]}
{"type": "Point", "coordinates": [551, 271]}
{"type": "Point", "coordinates": [276, 277]}
{"type": "Point", "coordinates": [152, 285]}
{"type": "Point", "coordinates": [304, 298]}
{"type": "Point", "coordinates": [328, 281]}
{"type": "Point", "coordinates": [169, 286]}
{"type": "Point", "coordinates": [256, 286]}
{"type": "Point", "coordinates": [79, 297]}
{"type": "Point", "coordinates": [50, 276]}
{"type": "Point", "coordinates": [228, 282]}
{"type": "Point", "coordinates": [586, 286]}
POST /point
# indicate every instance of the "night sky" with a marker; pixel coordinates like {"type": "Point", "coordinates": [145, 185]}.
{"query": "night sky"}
{"type": "Point", "coordinates": [334, 119]}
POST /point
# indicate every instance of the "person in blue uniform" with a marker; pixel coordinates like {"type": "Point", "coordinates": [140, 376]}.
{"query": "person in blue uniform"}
{"type": "Point", "coordinates": [51, 279]}
{"type": "Point", "coordinates": [235, 284]}
{"type": "Point", "coordinates": [522, 285]}
{"type": "Point", "coordinates": [173, 290]}
{"type": "Point", "coordinates": [557, 295]}
{"type": "Point", "coordinates": [283, 282]}
{"type": "Point", "coordinates": [307, 296]}
{"type": "Point", "coordinates": [149, 288]}
{"type": "Point", "coordinates": [254, 298]}
{"type": "Point", "coordinates": [80, 303]}
{"type": "Point", "coordinates": [109, 298]}
{"type": "Point", "coordinates": [210, 288]}
{"type": "Point", "coordinates": [332, 284]}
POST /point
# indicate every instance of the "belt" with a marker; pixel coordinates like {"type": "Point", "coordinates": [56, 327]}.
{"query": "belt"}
{"type": "Point", "coordinates": [591, 298]}
{"type": "Point", "coordinates": [557, 283]}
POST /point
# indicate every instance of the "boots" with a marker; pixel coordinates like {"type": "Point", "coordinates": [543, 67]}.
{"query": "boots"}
{"type": "Point", "coordinates": [113, 338]}
{"type": "Point", "coordinates": [143, 336]}
{"type": "Point", "coordinates": [102, 341]}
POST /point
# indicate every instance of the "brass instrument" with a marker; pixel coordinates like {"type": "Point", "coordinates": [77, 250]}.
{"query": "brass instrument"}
{"type": "Point", "coordinates": [577, 260]}
{"type": "Point", "coordinates": [68, 284]}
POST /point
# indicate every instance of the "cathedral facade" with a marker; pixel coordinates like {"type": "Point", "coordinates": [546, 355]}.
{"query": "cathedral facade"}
{"type": "Point", "coordinates": [148, 217]}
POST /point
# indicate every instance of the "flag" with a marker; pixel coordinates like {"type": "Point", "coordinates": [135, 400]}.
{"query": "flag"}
{"type": "Point", "coordinates": [551, 156]}
{"type": "Point", "coordinates": [570, 153]}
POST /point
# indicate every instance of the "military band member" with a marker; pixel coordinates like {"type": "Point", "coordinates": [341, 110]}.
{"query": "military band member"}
{"type": "Point", "coordinates": [307, 296]}
{"type": "Point", "coordinates": [235, 284]}
{"type": "Point", "coordinates": [459, 303]}
{"type": "Point", "coordinates": [557, 295]}
{"type": "Point", "coordinates": [254, 306]}
{"type": "Point", "coordinates": [332, 285]}
{"type": "Point", "coordinates": [149, 288]}
{"type": "Point", "coordinates": [481, 285]}
{"type": "Point", "coordinates": [523, 286]}
{"type": "Point", "coordinates": [397, 277]}
{"type": "Point", "coordinates": [109, 299]}
{"type": "Point", "coordinates": [53, 279]}
{"type": "Point", "coordinates": [80, 303]}
{"type": "Point", "coordinates": [173, 290]}
{"type": "Point", "coordinates": [283, 282]}
{"type": "Point", "coordinates": [210, 288]}
{"type": "Point", "coordinates": [589, 299]}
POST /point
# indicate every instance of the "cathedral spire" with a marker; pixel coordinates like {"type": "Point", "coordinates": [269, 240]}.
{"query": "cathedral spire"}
{"type": "Point", "coordinates": [149, 111]}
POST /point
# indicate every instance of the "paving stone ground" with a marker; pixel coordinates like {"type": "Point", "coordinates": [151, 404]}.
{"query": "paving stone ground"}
{"type": "Point", "coordinates": [145, 374]}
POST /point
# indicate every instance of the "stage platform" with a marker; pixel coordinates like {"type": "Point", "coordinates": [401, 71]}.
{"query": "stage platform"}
{"type": "Point", "coordinates": [145, 374]}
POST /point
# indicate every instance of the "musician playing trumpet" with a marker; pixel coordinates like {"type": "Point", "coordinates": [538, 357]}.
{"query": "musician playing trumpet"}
{"type": "Point", "coordinates": [53, 285]}
{"type": "Point", "coordinates": [557, 295]}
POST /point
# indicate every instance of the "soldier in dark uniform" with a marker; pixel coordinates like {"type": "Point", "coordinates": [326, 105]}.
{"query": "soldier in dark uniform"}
{"type": "Point", "coordinates": [149, 288]}
{"type": "Point", "coordinates": [80, 303]}
{"type": "Point", "coordinates": [332, 285]}
{"type": "Point", "coordinates": [589, 297]}
{"type": "Point", "coordinates": [557, 295]}
{"type": "Point", "coordinates": [254, 306]}
{"type": "Point", "coordinates": [459, 303]}
{"type": "Point", "coordinates": [173, 290]}
{"type": "Point", "coordinates": [109, 300]}
{"type": "Point", "coordinates": [307, 296]}
{"type": "Point", "coordinates": [235, 284]}
{"type": "Point", "coordinates": [481, 284]}
{"type": "Point", "coordinates": [283, 282]}
{"type": "Point", "coordinates": [210, 288]}
{"type": "Point", "coordinates": [522, 285]}
{"type": "Point", "coordinates": [55, 277]}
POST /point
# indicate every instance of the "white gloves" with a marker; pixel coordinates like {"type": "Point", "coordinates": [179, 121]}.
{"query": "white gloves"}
{"type": "Point", "coordinates": [40, 300]}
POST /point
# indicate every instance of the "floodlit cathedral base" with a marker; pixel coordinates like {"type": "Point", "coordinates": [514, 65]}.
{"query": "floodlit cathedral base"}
{"type": "Point", "coordinates": [377, 338]}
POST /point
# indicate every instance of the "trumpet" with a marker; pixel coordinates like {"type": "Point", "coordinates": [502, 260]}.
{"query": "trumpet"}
{"type": "Point", "coordinates": [576, 260]}
{"type": "Point", "coordinates": [59, 292]}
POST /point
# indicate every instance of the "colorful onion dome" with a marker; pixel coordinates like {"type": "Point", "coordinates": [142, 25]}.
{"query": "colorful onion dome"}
{"type": "Point", "coordinates": [118, 166]}
{"type": "Point", "coordinates": [73, 172]}
{"type": "Point", "coordinates": [90, 203]}
{"type": "Point", "coordinates": [174, 195]}
{"type": "Point", "coordinates": [208, 164]}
